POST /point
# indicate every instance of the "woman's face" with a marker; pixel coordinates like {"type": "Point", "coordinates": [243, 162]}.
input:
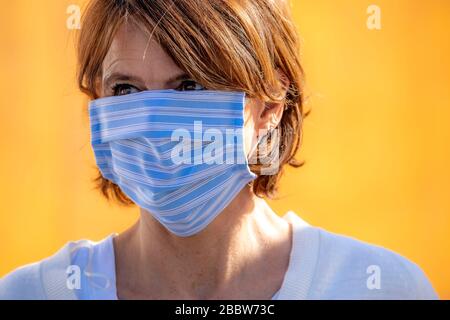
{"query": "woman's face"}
{"type": "Point", "coordinates": [133, 63]}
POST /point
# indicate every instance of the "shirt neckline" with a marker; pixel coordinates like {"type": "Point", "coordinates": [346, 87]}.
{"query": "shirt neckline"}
{"type": "Point", "coordinates": [302, 261]}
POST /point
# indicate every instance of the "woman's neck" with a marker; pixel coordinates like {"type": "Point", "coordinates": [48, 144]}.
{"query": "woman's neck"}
{"type": "Point", "coordinates": [245, 244]}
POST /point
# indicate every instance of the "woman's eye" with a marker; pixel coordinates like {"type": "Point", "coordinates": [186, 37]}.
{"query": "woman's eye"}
{"type": "Point", "coordinates": [187, 85]}
{"type": "Point", "coordinates": [124, 89]}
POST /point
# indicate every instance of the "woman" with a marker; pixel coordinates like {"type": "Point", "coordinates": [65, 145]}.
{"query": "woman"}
{"type": "Point", "coordinates": [168, 81]}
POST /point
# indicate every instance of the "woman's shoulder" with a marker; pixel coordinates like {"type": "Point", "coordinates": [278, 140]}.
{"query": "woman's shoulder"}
{"type": "Point", "coordinates": [333, 266]}
{"type": "Point", "coordinates": [22, 284]}
{"type": "Point", "coordinates": [350, 268]}
{"type": "Point", "coordinates": [45, 279]}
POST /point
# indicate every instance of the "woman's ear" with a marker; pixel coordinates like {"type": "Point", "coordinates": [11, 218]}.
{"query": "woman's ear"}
{"type": "Point", "coordinates": [271, 115]}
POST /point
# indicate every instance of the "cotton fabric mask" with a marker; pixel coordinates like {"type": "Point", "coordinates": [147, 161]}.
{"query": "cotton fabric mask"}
{"type": "Point", "coordinates": [177, 154]}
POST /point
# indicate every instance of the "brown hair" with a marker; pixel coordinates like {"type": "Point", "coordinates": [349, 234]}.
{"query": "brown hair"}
{"type": "Point", "coordinates": [222, 44]}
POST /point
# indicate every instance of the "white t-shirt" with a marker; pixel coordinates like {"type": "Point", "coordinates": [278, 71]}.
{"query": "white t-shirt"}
{"type": "Point", "coordinates": [322, 265]}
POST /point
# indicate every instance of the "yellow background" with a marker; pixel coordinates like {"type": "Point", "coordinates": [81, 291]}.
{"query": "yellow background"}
{"type": "Point", "coordinates": [376, 144]}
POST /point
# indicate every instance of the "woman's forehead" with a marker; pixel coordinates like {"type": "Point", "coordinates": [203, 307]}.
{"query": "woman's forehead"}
{"type": "Point", "coordinates": [133, 52]}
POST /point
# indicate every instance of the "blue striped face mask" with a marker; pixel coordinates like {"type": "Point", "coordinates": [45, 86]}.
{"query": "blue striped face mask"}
{"type": "Point", "coordinates": [177, 154]}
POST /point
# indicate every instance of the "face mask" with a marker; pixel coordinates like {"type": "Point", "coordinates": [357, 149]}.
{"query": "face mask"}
{"type": "Point", "coordinates": [177, 154]}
